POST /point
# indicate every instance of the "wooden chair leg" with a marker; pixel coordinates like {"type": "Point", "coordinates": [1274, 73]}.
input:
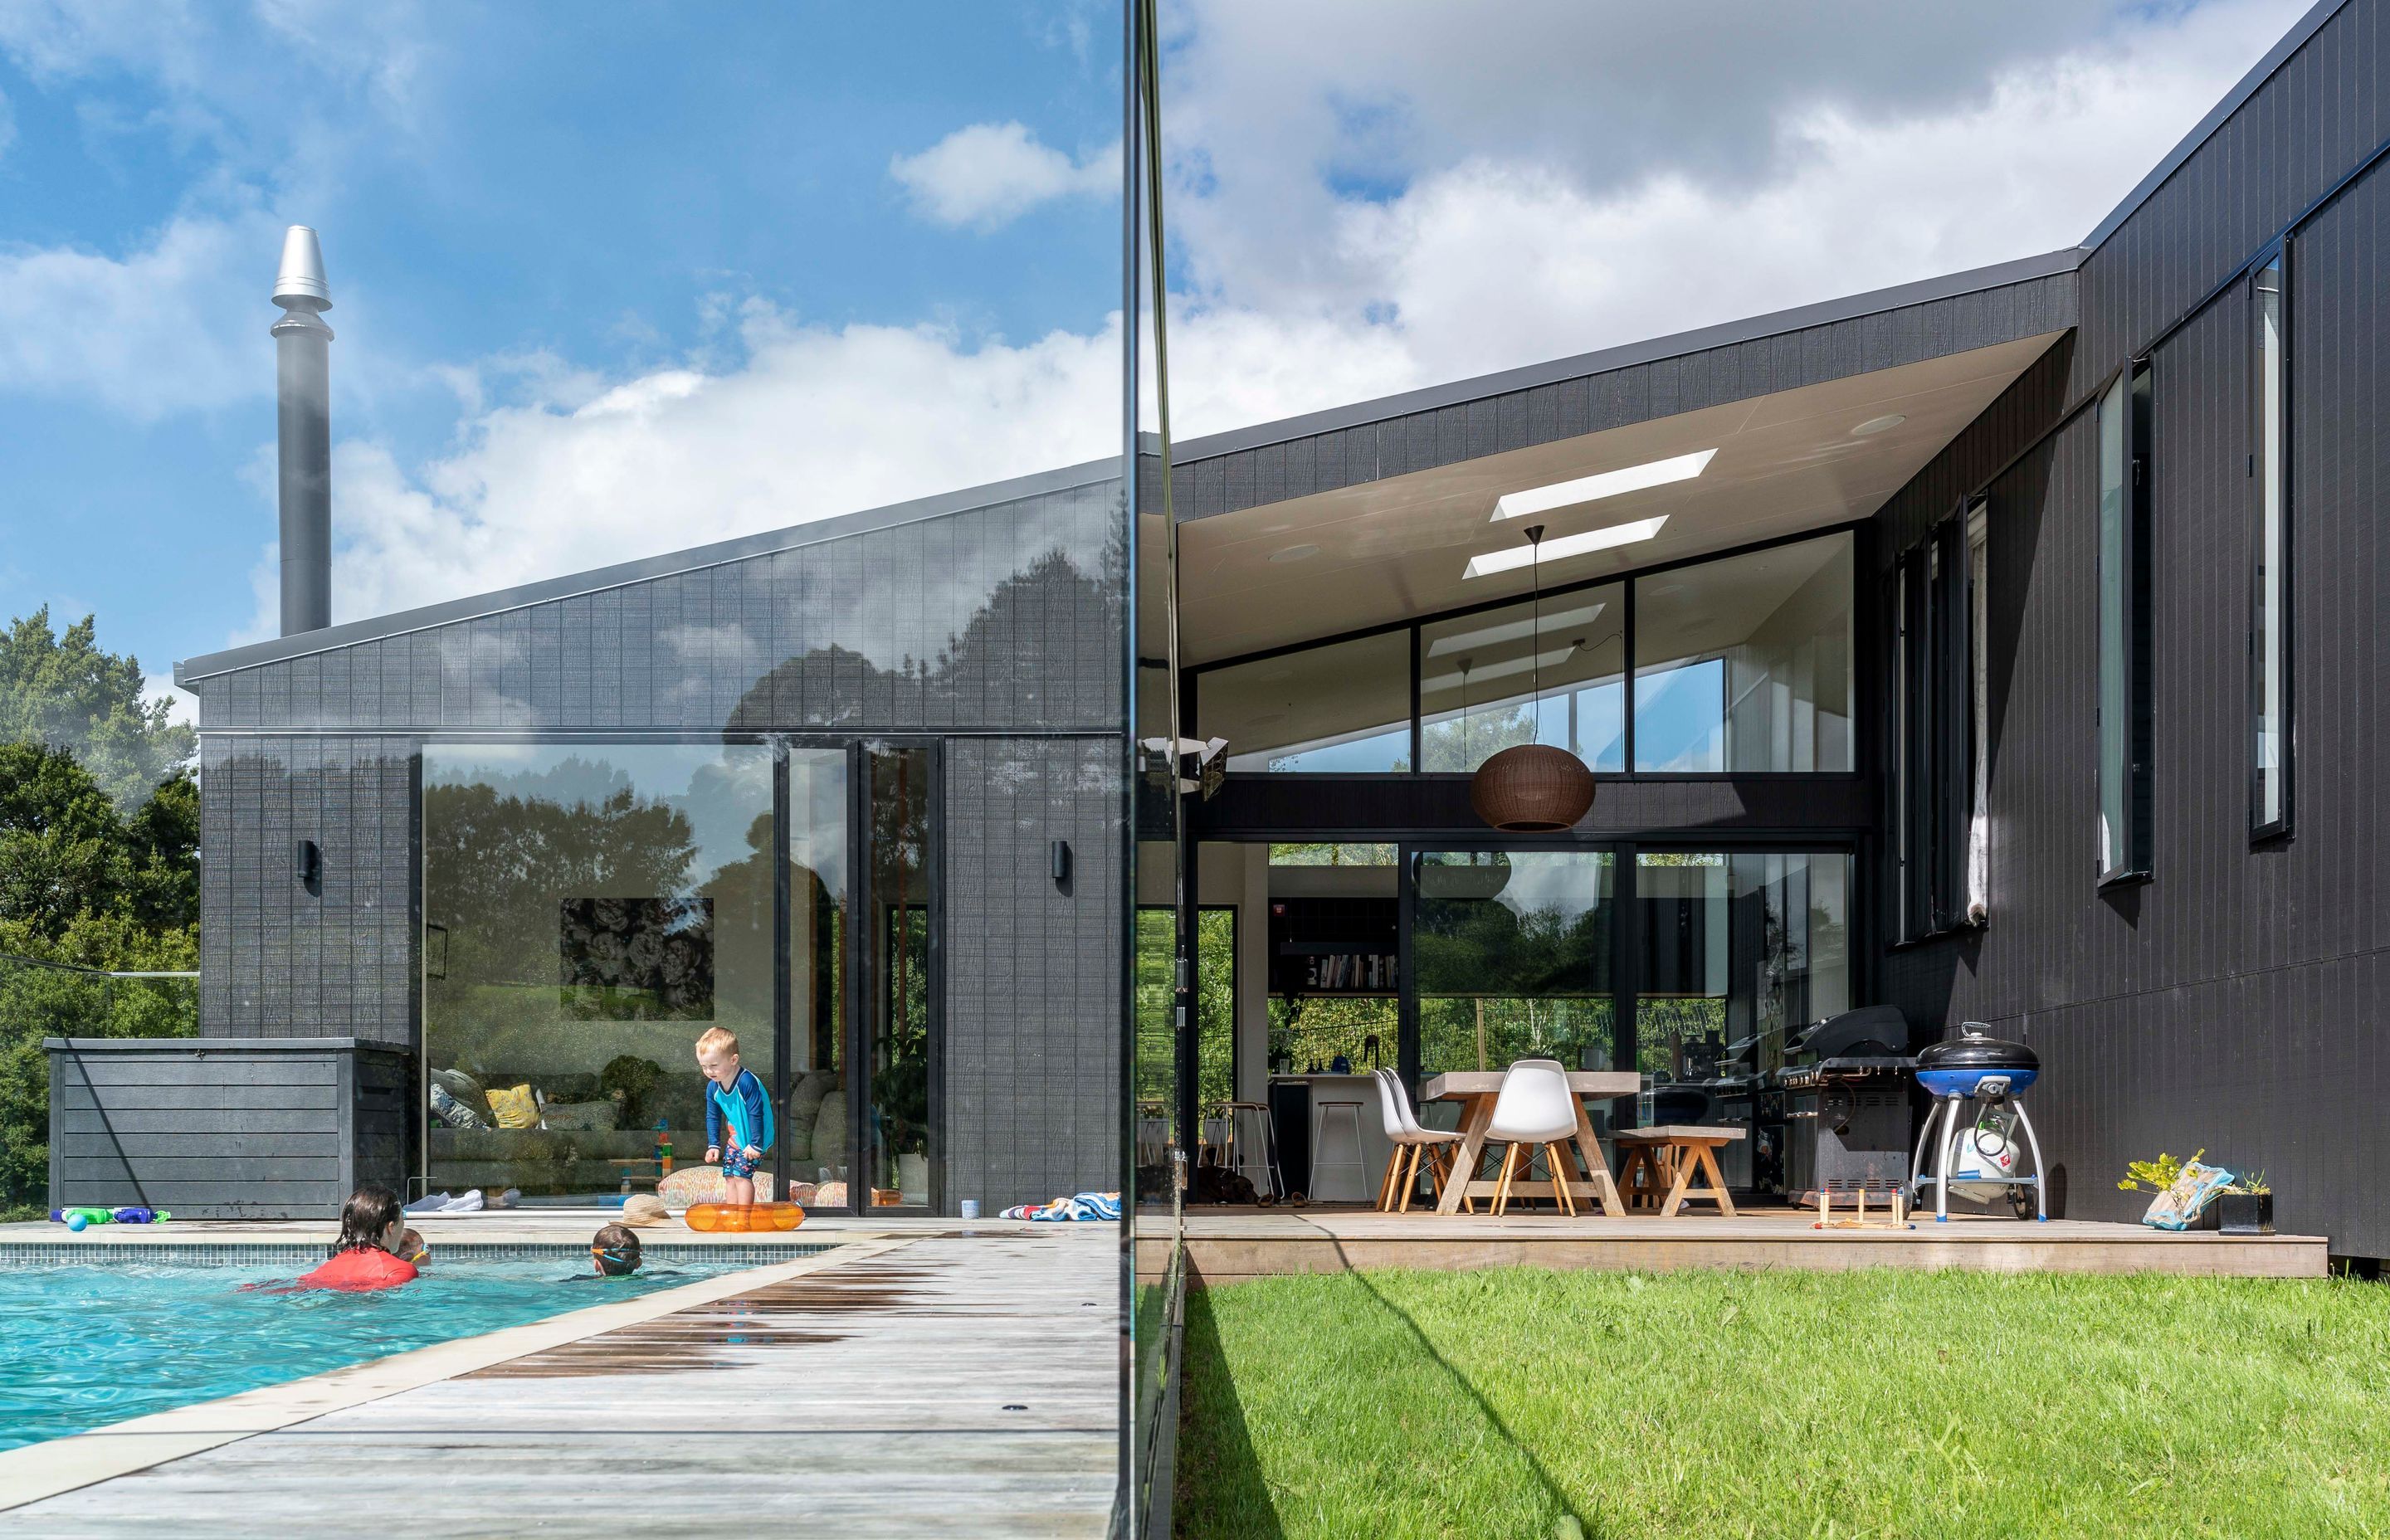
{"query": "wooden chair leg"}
{"type": "Point", "coordinates": [1410, 1180]}
{"type": "Point", "coordinates": [1561, 1201]}
{"type": "Point", "coordinates": [1708, 1158]}
{"type": "Point", "coordinates": [1502, 1191]}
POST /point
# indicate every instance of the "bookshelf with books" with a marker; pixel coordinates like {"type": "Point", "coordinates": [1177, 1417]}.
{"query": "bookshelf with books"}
{"type": "Point", "coordinates": [1335, 946]}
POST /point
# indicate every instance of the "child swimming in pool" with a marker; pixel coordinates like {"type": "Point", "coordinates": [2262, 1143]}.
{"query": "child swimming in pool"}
{"type": "Point", "coordinates": [736, 1105]}
{"type": "Point", "coordinates": [373, 1228]}
{"type": "Point", "coordinates": [412, 1247]}
{"type": "Point", "coordinates": [614, 1252]}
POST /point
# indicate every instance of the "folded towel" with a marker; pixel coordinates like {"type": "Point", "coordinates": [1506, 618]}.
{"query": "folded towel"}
{"type": "Point", "coordinates": [430, 1202]}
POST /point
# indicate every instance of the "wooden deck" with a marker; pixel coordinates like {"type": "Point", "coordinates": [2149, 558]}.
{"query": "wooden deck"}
{"type": "Point", "coordinates": [963, 1385]}
{"type": "Point", "coordinates": [1226, 1245]}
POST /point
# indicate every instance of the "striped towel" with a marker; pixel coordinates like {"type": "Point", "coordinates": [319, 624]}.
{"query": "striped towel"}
{"type": "Point", "coordinates": [1078, 1206]}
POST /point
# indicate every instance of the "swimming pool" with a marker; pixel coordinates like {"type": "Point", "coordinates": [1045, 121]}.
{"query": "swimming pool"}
{"type": "Point", "coordinates": [90, 1344]}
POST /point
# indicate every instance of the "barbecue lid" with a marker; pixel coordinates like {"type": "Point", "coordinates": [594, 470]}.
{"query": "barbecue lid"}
{"type": "Point", "coordinates": [1976, 1048]}
{"type": "Point", "coordinates": [1877, 1031]}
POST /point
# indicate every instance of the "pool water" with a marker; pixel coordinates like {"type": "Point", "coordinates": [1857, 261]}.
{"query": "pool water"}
{"type": "Point", "coordinates": [84, 1345]}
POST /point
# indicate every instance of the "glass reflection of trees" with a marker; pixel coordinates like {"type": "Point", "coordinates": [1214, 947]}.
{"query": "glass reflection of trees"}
{"type": "Point", "coordinates": [1512, 953]}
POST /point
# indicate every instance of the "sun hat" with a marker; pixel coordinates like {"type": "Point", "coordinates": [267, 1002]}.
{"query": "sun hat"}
{"type": "Point", "coordinates": [644, 1209]}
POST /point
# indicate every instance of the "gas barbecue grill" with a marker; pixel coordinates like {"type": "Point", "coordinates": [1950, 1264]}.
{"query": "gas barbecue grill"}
{"type": "Point", "coordinates": [1847, 1085]}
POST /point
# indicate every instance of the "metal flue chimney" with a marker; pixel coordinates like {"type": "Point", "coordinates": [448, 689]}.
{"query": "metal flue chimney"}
{"type": "Point", "coordinates": [304, 377]}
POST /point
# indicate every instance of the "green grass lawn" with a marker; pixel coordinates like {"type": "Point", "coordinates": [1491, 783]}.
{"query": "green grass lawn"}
{"type": "Point", "coordinates": [1526, 1403]}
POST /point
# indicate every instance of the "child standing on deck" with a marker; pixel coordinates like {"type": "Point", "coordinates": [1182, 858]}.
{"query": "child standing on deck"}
{"type": "Point", "coordinates": [737, 1115]}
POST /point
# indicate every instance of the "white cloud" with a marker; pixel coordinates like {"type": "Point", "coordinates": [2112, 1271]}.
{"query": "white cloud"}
{"type": "Point", "coordinates": [989, 174]}
{"type": "Point", "coordinates": [1458, 197]}
{"type": "Point", "coordinates": [146, 333]}
{"type": "Point", "coordinates": [1350, 228]}
{"type": "Point", "coordinates": [182, 708]}
{"type": "Point", "coordinates": [812, 422]}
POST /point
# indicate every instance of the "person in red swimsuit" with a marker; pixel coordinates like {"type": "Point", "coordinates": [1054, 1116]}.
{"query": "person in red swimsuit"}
{"type": "Point", "coordinates": [372, 1227]}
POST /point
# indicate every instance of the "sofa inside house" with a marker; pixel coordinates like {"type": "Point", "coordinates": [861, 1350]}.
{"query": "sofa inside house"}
{"type": "Point", "coordinates": [579, 1135]}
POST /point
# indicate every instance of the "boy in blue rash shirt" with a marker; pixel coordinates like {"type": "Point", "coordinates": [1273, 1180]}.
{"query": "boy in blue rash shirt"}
{"type": "Point", "coordinates": [736, 1105]}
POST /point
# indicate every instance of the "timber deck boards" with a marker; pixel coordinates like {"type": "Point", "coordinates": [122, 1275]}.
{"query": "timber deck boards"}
{"type": "Point", "coordinates": [1226, 1245]}
{"type": "Point", "coordinates": [864, 1399]}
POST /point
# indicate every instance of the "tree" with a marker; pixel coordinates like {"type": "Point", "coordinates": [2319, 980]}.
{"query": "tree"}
{"type": "Point", "coordinates": [60, 690]}
{"type": "Point", "coordinates": [99, 870]}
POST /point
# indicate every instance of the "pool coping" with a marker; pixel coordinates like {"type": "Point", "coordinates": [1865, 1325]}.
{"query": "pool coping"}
{"type": "Point", "coordinates": [34, 1472]}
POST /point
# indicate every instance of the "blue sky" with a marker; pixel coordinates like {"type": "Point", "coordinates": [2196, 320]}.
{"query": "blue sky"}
{"type": "Point", "coordinates": [516, 191]}
{"type": "Point", "coordinates": [615, 279]}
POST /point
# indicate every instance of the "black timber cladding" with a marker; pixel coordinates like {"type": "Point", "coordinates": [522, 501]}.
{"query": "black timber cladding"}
{"type": "Point", "coordinates": [2236, 1002]}
{"type": "Point", "coordinates": [1246, 469]}
{"type": "Point", "coordinates": [999, 623]}
{"type": "Point", "coordinates": [225, 1129]}
{"type": "Point", "coordinates": [1002, 617]}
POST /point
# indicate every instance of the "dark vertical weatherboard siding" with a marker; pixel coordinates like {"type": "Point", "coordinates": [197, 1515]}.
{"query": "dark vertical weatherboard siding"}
{"type": "Point", "coordinates": [995, 618]}
{"type": "Point", "coordinates": [1560, 409]}
{"type": "Point", "coordinates": [218, 1129]}
{"type": "Point", "coordinates": [2235, 1001]}
{"type": "Point", "coordinates": [276, 960]}
{"type": "Point", "coordinates": [1032, 967]}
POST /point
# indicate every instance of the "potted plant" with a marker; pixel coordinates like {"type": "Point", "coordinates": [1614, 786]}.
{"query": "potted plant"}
{"type": "Point", "coordinates": [2246, 1207]}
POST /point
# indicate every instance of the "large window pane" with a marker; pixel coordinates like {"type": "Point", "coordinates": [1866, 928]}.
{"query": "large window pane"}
{"type": "Point", "coordinates": [2123, 417]}
{"type": "Point", "coordinates": [815, 1131]}
{"type": "Point", "coordinates": [2269, 645]}
{"type": "Point", "coordinates": [1512, 951]}
{"type": "Point", "coordinates": [901, 1013]}
{"type": "Point", "coordinates": [1744, 664]}
{"type": "Point", "coordinates": [1341, 709]}
{"type": "Point", "coordinates": [1736, 952]}
{"type": "Point", "coordinates": [589, 911]}
{"type": "Point", "coordinates": [1477, 674]}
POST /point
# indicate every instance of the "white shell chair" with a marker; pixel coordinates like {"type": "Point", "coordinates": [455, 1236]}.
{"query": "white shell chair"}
{"type": "Point", "coordinates": [1534, 1107]}
{"type": "Point", "coordinates": [1403, 1131]}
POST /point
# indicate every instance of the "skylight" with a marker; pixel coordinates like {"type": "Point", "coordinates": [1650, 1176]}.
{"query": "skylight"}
{"type": "Point", "coordinates": [1516, 556]}
{"type": "Point", "coordinates": [1610, 483]}
{"type": "Point", "coordinates": [1512, 631]}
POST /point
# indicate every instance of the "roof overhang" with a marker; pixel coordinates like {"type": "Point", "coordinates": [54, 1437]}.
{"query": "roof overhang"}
{"type": "Point", "coordinates": [1387, 550]}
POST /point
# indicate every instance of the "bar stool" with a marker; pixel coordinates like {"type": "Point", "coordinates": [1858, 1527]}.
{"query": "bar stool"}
{"type": "Point", "coordinates": [1257, 1149]}
{"type": "Point", "coordinates": [1358, 1163]}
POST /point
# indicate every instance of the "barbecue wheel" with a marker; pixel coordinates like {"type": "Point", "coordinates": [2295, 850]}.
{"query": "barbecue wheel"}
{"type": "Point", "coordinates": [2021, 1205]}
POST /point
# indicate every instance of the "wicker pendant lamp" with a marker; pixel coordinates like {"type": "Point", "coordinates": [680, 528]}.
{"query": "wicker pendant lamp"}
{"type": "Point", "coordinates": [1533, 788]}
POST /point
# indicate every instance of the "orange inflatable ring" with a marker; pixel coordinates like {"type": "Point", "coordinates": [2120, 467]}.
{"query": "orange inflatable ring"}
{"type": "Point", "coordinates": [744, 1217]}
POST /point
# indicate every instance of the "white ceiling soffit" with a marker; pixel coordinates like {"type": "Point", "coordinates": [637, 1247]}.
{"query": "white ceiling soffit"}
{"type": "Point", "coordinates": [1391, 549]}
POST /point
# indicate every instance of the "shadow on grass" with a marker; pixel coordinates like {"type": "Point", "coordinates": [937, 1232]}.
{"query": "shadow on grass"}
{"type": "Point", "coordinates": [1219, 1482]}
{"type": "Point", "coordinates": [1221, 1489]}
{"type": "Point", "coordinates": [1426, 1347]}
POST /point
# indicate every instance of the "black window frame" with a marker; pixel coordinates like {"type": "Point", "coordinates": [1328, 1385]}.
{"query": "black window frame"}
{"type": "Point", "coordinates": [2128, 856]}
{"type": "Point", "coordinates": [1857, 531]}
{"type": "Point", "coordinates": [2277, 468]}
{"type": "Point", "coordinates": [1929, 738]}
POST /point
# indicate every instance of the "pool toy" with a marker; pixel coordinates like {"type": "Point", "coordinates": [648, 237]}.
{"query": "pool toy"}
{"type": "Point", "coordinates": [747, 1217]}
{"type": "Point", "coordinates": [76, 1222]}
{"type": "Point", "coordinates": [137, 1214]}
{"type": "Point", "coordinates": [88, 1216]}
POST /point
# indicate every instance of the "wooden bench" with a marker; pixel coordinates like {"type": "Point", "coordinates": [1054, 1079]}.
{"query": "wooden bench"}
{"type": "Point", "coordinates": [1662, 1161]}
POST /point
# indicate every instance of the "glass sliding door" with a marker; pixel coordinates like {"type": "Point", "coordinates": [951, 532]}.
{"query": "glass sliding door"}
{"type": "Point", "coordinates": [815, 1129]}
{"type": "Point", "coordinates": [589, 910]}
{"type": "Point", "coordinates": [899, 1116]}
{"type": "Point", "coordinates": [1733, 954]}
{"type": "Point", "coordinates": [1512, 958]}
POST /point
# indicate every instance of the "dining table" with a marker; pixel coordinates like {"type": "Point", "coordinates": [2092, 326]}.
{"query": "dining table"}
{"type": "Point", "coordinates": [1475, 1091]}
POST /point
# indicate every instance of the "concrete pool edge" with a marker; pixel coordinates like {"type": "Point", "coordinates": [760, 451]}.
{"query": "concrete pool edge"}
{"type": "Point", "coordinates": [34, 1472]}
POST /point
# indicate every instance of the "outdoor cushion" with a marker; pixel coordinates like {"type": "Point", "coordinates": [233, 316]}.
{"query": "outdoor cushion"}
{"type": "Point", "coordinates": [464, 1087]}
{"type": "Point", "coordinates": [455, 1113]}
{"type": "Point", "coordinates": [706, 1185]}
{"type": "Point", "coordinates": [579, 1114]}
{"type": "Point", "coordinates": [515, 1108]}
